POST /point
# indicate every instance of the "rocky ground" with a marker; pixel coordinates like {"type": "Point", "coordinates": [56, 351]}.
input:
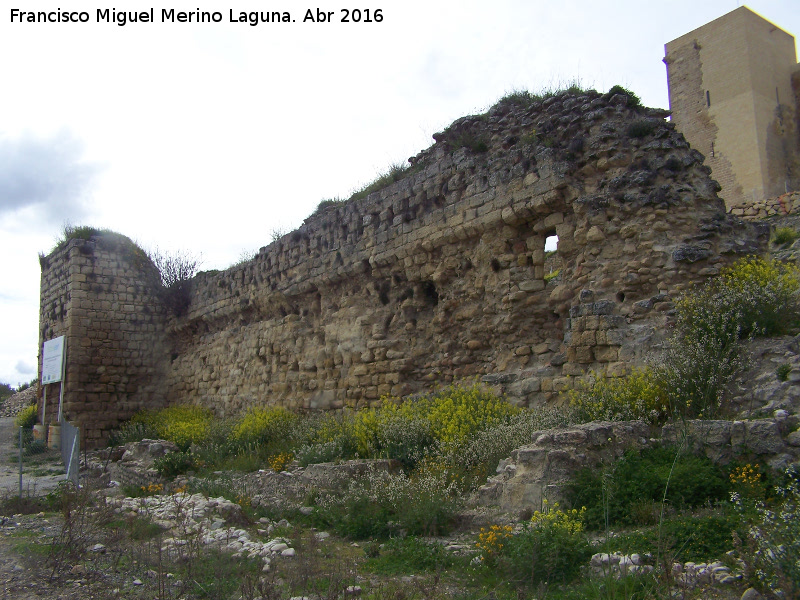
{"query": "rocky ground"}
{"type": "Point", "coordinates": [102, 563]}
{"type": "Point", "coordinates": [17, 402]}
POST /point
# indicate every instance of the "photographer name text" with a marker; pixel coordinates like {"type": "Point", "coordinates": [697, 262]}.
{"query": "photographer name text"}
{"type": "Point", "coordinates": [170, 15]}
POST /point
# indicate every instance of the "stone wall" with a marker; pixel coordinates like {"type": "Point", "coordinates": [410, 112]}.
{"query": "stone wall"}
{"type": "Point", "coordinates": [761, 209]}
{"type": "Point", "coordinates": [102, 296]}
{"type": "Point", "coordinates": [440, 276]}
{"type": "Point", "coordinates": [544, 468]}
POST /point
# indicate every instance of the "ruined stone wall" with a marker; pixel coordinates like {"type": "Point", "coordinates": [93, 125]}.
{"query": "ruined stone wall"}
{"type": "Point", "coordinates": [440, 276]}
{"type": "Point", "coordinates": [100, 295]}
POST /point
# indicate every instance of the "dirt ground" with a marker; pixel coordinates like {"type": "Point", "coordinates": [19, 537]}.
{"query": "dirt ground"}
{"type": "Point", "coordinates": [25, 574]}
{"type": "Point", "coordinates": [39, 474]}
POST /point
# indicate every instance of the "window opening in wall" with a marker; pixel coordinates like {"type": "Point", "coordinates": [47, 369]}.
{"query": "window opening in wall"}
{"type": "Point", "coordinates": [708, 98]}
{"type": "Point", "coordinates": [552, 264]}
{"type": "Point", "coordinates": [712, 149]}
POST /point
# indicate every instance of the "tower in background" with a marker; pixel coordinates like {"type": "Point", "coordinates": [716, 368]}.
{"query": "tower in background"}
{"type": "Point", "coordinates": [734, 92]}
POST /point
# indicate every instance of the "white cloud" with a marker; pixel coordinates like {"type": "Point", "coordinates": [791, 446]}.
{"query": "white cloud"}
{"type": "Point", "coordinates": [45, 175]}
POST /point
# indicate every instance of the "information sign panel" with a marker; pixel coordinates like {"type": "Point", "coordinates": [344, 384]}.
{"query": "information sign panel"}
{"type": "Point", "coordinates": [53, 360]}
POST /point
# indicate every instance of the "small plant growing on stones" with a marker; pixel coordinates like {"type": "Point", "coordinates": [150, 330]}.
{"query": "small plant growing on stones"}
{"type": "Point", "coordinates": [784, 236]}
{"type": "Point", "coordinates": [783, 371]}
{"type": "Point", "coordinates": [633, 100]}
{"type": "Point", "coordinates": [175, 273]}
{"type": "Point", "coordinates": [641, 128]}
{"type": "Point", "coordinates": [280, 461]}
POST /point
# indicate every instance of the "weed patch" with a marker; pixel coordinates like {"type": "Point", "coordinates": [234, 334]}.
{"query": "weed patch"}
{"type": "Point", "coordinates": [624, 493]}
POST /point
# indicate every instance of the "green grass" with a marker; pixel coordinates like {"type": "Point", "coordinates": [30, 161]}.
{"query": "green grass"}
{"type": "Point", "coordinates": [785, 236]}
{"type": "Point", "coordinates": [395, 172]}
{"type": "Point", "coordinates": [406, 556]}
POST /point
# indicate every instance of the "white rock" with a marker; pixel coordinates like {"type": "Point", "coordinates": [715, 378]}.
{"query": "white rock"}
{"type": "Point", "coordinates": [288, 553]}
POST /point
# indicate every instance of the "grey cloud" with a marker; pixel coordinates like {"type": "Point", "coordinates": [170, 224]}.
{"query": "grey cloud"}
{"type": "Point", "coordinates": [25, 368]}
{"type": "Point", "coordinates": [45, 173]}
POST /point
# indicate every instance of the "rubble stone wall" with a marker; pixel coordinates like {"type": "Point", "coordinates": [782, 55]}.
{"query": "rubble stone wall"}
{"type": "Point", "coordinates": [544, 469]}
{"type": "Point", "coordinates": [762, 209]}
{"type": "Point", "coordinates": [443, 276]}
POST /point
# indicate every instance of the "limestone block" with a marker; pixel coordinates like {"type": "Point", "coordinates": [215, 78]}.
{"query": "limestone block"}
{"type": "Point", "coordinates": [595, 235]}
{"type": "Point", "coordinates": [583, 354]}
{"type": "Point", "coordinates": [532, 285]}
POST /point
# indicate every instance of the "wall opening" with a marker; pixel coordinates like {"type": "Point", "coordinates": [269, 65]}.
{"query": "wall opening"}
{"type": "Point", "coordinates": [552, 262]}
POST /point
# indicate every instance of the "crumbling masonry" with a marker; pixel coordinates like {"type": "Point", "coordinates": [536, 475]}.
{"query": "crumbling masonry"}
{"type": "Point", "coordinates": [436, 278]}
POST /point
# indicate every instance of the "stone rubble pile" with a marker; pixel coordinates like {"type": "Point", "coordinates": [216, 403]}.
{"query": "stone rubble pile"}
{"type": "Point", "coordinates": [193, 518]}
{"type": "Point", "coordinates": [688, 574]}
{"type": "Point", "coordinates": [13, 405]}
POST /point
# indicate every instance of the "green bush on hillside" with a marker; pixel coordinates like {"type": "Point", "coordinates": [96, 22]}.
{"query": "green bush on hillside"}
{"type": "Point", "coordinates": [639, 395]}
{"type": "Point", "coordinates": [27, 417]}
{"type": "Point", "coordinates": [624, 493]}
{"type": "Point", "coordinates": [752, 297]}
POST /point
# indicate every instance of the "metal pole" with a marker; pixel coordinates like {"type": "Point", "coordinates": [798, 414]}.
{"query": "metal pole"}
{"type": "Point", "coordinates": [20, 463]}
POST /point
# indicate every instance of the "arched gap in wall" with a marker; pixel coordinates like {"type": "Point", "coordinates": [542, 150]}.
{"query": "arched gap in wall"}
{"type": "Point", "coordinates": [552, 262]}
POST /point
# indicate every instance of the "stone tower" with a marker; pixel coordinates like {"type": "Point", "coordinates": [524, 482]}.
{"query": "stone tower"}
{"type": "Point", "coordinates": [734, 86]}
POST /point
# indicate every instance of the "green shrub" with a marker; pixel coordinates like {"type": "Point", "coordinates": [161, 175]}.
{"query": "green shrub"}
{"type": "Point", "coordinates": [265, 425]}
{"type": "Point", "coordinates": [175, 463]}
{"type": "Point", "coordinates": [394, 173]}
{"type": "Point", "coordinates": [639, 395]}
{"type": "Point", "coordinates": [521, 98]}
{"type": "Point", "coordinates": [633, 99]}
{"type": "Point", "coordinates": [438, 424]}
{"type": "Point", "coordinates": [183, 425]}
{"type": "Point", "coordinates": [471, 462]}
{"type": "Point", "coordinates": [6, 391]}
{"type": "Point", "coordinates": [552, 275]}
{"type": "Point", "coordinates": [474, 143]}
{"type": "Point", "coordinates": [702, 537]}
{"type": "Point", "coordinates": [785, 236]}
{"type": "Point", "coordinates": [379, 504]}
{"type": "Point", "coordinates": [771, 545]}
{"type": "Point", "coordinates": [321, 207]}
{"type": "Point", "coordinates": [409, 555]}
{"type": "Point", "coordinates": [26, 418]}
{"type": "Point", "coordinates": [551, 547]}
{"type": "Point", "coordinates": [782, 372]}
{"type": "Point", "coordinates": [751, 297]}
{"type": "Point", "coordinates": [641, 128]}
{"type": "Point", "coordinates": [698, 365]}
{"type": "Point", "coordinates": [614, 495]}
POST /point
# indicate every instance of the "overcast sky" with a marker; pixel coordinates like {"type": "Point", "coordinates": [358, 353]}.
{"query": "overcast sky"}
{"type": "Point", "coordinates": [209, 137]}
